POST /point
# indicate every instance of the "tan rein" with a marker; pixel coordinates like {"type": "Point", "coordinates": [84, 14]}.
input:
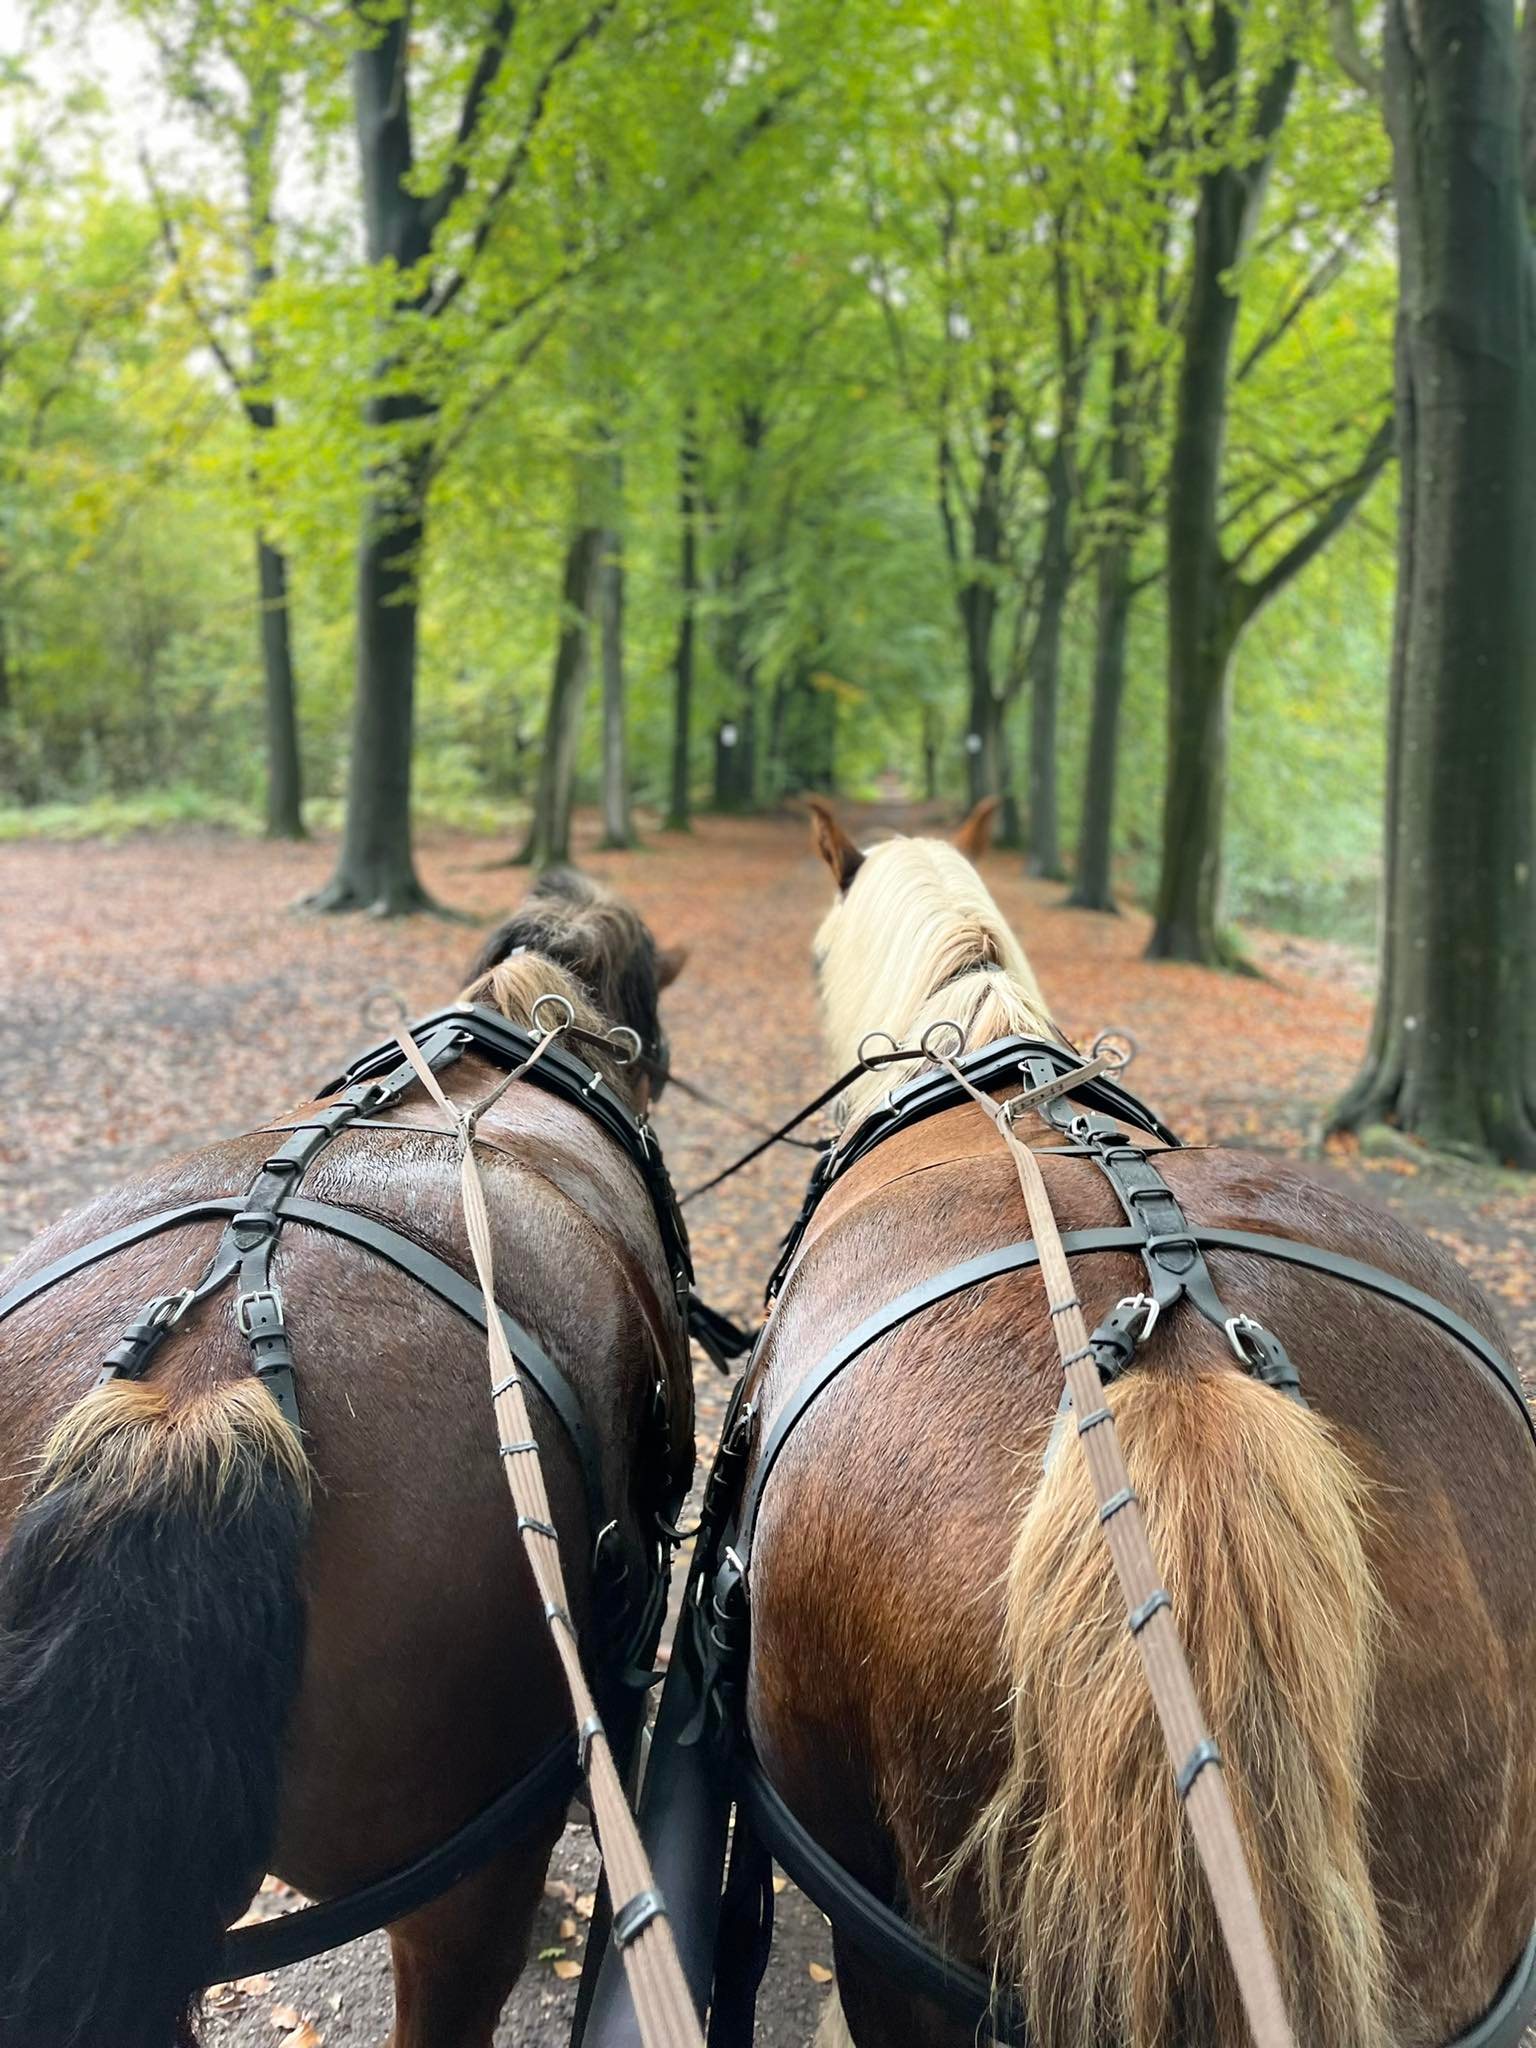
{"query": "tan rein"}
{"type": "Point", "coordinates": [663, 2007]}
{"type": "Point", "coordinates": [1195, 1758]}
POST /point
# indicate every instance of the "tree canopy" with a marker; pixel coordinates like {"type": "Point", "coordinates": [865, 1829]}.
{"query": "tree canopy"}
{"type": "Point", "coordinates": [910, 292]}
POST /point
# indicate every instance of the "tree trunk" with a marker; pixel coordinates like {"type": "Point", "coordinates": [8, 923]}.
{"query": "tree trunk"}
{"type": "Point", "coordinates": [1094, 887]}
{"type": "Point", "coordinates": [930, 754]}
{"type": "Point", "coordinates": [977, 599]}
{"type": "Point", "coordinates": [376, 869]}
{"type": "Point", "coordinates": [680, 810]}
{"type": "Point", "coordinates": [549, 836]}
{"type": "Point", "coordinates": [285, 789]}
{"type": "Point", "coordinates": [1045, 666]}
{"type": "Point", "coordinates": [618, 824]}
{"type": "Point", "coordinates": [1202, 598]}
{"type": "Point", "coordinates": [1451, 1057]}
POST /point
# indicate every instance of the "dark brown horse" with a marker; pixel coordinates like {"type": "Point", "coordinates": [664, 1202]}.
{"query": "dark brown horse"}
{"type": "Point", "coordinates": [221, 1653]}
{"type": "Point", "coordinates": [943, 1684]}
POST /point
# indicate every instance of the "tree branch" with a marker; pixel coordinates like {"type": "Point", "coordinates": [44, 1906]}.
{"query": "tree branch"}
{"type": "Point", "coordinates": [512, 170]}
{"type": "Point", "coordinates": [487, 70]}
{"type": "Point", "coordinates": [1344, 36]}
{"type": "Point", "coordinates": [188, 297]}
{"type": "Point", "coordinates": [1348, 495]}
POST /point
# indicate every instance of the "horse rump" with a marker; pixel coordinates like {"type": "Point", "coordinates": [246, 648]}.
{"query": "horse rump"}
{"type": "Point", "coordinates": [151, 1637]}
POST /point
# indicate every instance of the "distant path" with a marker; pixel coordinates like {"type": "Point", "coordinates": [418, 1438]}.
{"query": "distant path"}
{"type": "Point", "coordinates": [157, 994]}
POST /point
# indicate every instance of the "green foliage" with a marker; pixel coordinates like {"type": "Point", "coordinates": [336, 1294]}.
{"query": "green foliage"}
{"type": "Point", "coordinates": [835, 233]}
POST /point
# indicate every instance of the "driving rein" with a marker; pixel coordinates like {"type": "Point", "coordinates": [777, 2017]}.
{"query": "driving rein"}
{"type": "Point", "coordinates": [629, 1593]}
{"type": "Point", "coordinates": [702, 1766]}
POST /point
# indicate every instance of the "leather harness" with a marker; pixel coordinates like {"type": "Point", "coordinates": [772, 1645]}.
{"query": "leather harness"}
{"type": "Point", "coordinates": [701, 1762]}
{"type": "Point", "coordinates": [375, 1081]}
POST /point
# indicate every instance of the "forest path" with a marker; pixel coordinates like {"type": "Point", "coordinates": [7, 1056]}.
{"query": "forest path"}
{"type": "Point", "coordinates": [158, 993]}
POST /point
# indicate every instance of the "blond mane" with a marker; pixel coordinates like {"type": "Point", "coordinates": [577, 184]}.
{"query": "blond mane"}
{"type": "Point", "coordinates": [915, 938]}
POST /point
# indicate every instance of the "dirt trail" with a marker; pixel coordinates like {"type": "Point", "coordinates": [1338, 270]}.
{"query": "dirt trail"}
{"type": "Point", "coordinates": [159, 993]}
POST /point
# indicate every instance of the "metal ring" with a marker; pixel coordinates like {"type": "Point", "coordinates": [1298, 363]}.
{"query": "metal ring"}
{"type": "Point", "coordinates": [564, 1002]}
{"type": "Point", "coordinates": [628, 1036]}
{"type": "Point", "coordinates": [384, 1007]}
{"type": "Point", "coordinates": [1117, 1045]}
{"type": "Point", "coordinates": [862, 1056]}
{"type": "Point", "coordinates": [942, 1024]}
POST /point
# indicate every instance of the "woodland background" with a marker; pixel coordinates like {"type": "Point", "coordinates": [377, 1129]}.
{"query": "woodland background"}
{"type": "Point", "coordinates": [455, 411]}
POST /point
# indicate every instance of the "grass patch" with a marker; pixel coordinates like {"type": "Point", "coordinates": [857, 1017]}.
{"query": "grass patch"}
{"type": "Point", "coordinates": [118, 817]}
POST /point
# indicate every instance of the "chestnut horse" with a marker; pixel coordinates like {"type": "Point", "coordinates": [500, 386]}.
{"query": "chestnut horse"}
{"type": "Point", "coordinates": [222, 1653]}
{"type": "Point", "coordinates": [942, 1682]}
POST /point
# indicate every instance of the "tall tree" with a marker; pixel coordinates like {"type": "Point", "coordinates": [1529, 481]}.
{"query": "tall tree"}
{"type": "Point", "coordinates": [1211, 601]}
{"type": "Point", "coordinates": [229, 64]}
{"type": "Point", "coordinates": [549, 837]}
{"type": "Point", "coordinates": [1452, 1057]}
{"type": "Point", "coordinates": [1120, 519]}
{"type": "Point", "coordinates": [680, 801]}
{"type": "Point", "coordinates": [618, 819]}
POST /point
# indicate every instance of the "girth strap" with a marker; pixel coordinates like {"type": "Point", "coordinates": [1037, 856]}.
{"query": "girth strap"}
{"type": "Point", "coordinates": [294, 1937]}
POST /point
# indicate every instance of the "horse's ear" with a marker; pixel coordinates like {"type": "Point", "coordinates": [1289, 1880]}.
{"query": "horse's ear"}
{"type": "Point", "coordinates": [975, 835]}
{"type": "Point", "coordinates": [670, 962]}
{"type": "Point", "coordinates": [833, 843]}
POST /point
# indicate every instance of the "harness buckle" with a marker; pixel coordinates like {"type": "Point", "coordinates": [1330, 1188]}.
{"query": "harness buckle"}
{"type": "Point", "coordinates": [167, 1310]}
{"type": "Point", "coordinates": [263, 1303]}
{"type": "Point", "coordinates": [1235, 1327]}
{"type": "Point", "coordinates": [1152, 1308]}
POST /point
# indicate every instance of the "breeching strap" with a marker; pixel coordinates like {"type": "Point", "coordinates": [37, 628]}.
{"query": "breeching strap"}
{"type": "Point", "coordinates": [1195, 1758]}
{"type": "Point", "coordinates": [662, 2005]}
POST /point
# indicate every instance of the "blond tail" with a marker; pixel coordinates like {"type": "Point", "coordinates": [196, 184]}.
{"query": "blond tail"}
{"type": "Point", "coordinates": [1093, 1893]}
{"type": "Point", "coordinates": [151, 1634]}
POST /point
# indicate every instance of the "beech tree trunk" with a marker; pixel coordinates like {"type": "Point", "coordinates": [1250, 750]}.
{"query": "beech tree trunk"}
{"type": "Point", "coordinates": [285, 779]}
{"type": "Point", "coordinates": [680, 808]}
{"type": "Point", "coordinates": [1093, 887]}
{"type": "Point", "coordinates": [1453, 1055]}
{"type": "Point", "coordinates": [977, 599]}
{"type": "Point", "coordinates": [549, 836]}
{"type": "Point", "coordinates": [618, 823]}
{"type": "Point", "coordinates": [1203, 624]}
{"type": "Point", "coordinates": [1044, 835]}
{"type": "Point", "coordinates": [376, 869]}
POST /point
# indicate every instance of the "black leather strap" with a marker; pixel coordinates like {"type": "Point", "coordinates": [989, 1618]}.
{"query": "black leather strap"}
{"type": "Point", "coordinates": [1014, 1258]}
{"type": "Point", "coordinates": [873, 1925]}
{"type": "Point", "coordinates": [936, 1090]}
{"type": "Point", "coordinates": [559, 1072]}
{"type": "Point", "coordinates": [880, 1931]}
{"type": "Point", "coordinates": [294, 1937]}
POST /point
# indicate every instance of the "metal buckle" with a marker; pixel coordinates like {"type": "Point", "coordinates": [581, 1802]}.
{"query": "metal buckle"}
{"type": "Point", "coordinates": [167, 1310]}
{"type": "Point", "coordinates": [1232, 1326]}
{"type": "Point", "coordinates": [859, 1051]}
{"type": "Point", "coordinates": [1152, 1307]}
{"type": "Point", "coordinates": [246, 1304]}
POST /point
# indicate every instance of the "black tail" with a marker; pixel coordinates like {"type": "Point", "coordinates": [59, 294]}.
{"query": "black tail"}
{"type": "Point", "coordinates": [151, 1635]}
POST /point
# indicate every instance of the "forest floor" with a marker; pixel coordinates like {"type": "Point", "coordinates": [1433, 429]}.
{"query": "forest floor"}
{"type": "Point", "coordinates": [158, 993]}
